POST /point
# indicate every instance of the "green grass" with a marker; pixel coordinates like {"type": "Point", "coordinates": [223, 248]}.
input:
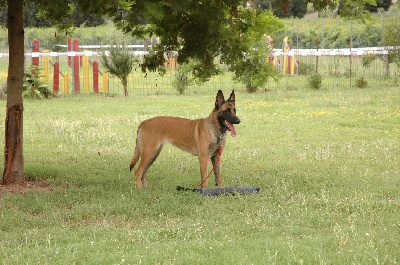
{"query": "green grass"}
{"type": "Point", "coordinates": [327, 163]}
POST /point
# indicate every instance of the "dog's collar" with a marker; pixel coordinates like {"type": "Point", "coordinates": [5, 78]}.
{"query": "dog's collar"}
{"type": "Point", "coordinates": [221, 138]}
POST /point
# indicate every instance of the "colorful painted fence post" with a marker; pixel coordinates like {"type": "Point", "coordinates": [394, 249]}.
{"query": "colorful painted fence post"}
{"type": "Point", "coordinates": [66, 84]}
{"type": "Point", "coordinates": [35, 52]}
{"type": "Point", "coordinates": [105, 82]}
{"type": "Point", "coordinates": [69, 49]}
{"type": "Point", "coordinates": [95, 77]}
{"type": "Point", "coordinates": [290, 64]}
{"type": "Point", "coordinates": [86, 73]}
{"type": "Point", "coordinates": [56, 77]}
{"type": "Point", "coordinates": [46, 68]}
{"type": "Point", "coordinates": [76, 60]}
{"type": "Point", "coordinates": [285, 57]}
{"type": "Point", "coordinates": [75, 67]}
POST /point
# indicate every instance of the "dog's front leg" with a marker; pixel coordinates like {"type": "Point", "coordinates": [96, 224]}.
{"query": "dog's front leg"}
{"type": "Point", "coordinates": [216, 161]}
{"type": "Point", "coordinates": [203, 170]}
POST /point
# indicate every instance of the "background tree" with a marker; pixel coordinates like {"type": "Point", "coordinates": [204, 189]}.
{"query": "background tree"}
{"type": "Point", "coordinates": [30, 16]}
{"type": "Point", "coordinates": [254, 70]}
{"type": "Point", "coordinates": [384, 4]}
{"type": "Point", "coordinates": [32, 19]}
{"type": "Point", "coordinates": [392, 41]}
{"type": "Point", "coordinates": [119, 61]}
{"type": "Point", "coordinates": [355, 9]}
{"type": "Point", "coordinates": [284, 8]}
{"type": "Point", "coordinates": [197, 30]}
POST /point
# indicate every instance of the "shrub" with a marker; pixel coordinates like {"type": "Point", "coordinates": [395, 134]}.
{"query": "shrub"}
{"type": "Point", "coordinates": [306, 68]}
{"type": "Point", "coordinates": [119, 62]}
{"type": "Point", "coordinates": [315, 81]}
{"type": "Point", "coordinates": [361, 82]}
{"type": "Point", "coordinates": [33, 84]}
{"type": "Point", "coordinates": [182, 80]}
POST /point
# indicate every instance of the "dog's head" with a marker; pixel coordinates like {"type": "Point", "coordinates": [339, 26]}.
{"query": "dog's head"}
{"type": "Point", "coordinates": [226, 112]}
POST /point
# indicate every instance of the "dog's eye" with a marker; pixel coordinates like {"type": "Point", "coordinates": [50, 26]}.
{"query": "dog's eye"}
{"type": "Point", "coordinates": [227, 110]}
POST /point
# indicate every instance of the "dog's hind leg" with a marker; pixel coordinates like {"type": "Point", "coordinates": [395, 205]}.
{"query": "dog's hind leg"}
{"type": "Point", "coordinates": [135, 157]}
{"type": "Point", "coordinates": [137, 152]}
{"type": "Point", "coordinates": [147, 159]}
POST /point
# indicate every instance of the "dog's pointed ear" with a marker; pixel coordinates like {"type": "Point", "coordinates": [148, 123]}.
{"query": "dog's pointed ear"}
{"type": "Point", "coordinates": [232, 97]}
{"type": "Point", "coordinates": [219, 100]}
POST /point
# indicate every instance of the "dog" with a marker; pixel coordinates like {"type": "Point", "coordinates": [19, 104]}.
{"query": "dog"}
{"type": "Point", "coordinates": [204, 138]}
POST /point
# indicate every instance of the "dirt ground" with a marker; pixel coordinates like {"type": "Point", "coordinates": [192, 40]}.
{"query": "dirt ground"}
{"type": "Point", "coordinates": [41, 185]}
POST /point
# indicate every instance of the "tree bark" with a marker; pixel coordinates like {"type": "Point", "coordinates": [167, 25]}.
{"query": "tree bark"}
{"type": "Point", "coordinates": [126, 90]}
{"type": "Point", "coordinates": [13, 147]}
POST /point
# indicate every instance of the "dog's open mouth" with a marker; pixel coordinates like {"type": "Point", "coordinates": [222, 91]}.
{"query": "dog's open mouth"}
{"type": "Point", "coordinates": [230, 127]}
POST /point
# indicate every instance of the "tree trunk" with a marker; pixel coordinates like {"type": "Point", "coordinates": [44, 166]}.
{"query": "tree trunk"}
{"type": "Point", "coordinates": [126, 90]}
{"type": "Point", "coordinates": [125, 84]}
{"type": "Point", "coordinates": [13, 147]}
{"type": "Point", "coordinates": [387, 64]}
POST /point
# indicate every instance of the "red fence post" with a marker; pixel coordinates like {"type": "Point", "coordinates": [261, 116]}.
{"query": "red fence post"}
{"type": "Point", "coordinates": [69, 48]}
{"type": "Point", "coordinates": [56, 78]}
{"type": "Point", "coordinates": [95, 77]}
{"type": "Point", "coordinates": [35, 48]}
{"type": "Point", "coordinates": [75, 66]}
{"type": "Point", "coordinates": [75, 45]}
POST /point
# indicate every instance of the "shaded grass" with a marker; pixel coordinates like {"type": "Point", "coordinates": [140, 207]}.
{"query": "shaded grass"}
{"type": "Point", "coordinates": [327, 163]}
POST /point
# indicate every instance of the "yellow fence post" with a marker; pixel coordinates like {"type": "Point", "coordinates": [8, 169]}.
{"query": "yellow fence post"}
{"type": "Point", "coordinates": [105, 82]}
{"type": "Point", "coordinates": [86, 74]}
{"type": "Point", "coordinates": [66, 84]}
{"type": "Point", "coordinates": [285, 58]}
{"type": "Point", "coordinates": [292, 66]}
{"type": "Point", "coordinates": [46, 69]}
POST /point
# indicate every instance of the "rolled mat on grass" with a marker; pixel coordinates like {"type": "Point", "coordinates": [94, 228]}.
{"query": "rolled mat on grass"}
{"type": "Point", "coordinates": [220, 191]}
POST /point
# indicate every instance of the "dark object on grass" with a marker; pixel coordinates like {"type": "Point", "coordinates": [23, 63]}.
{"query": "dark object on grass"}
{"type": "Point", "coordinates": [221, 191]}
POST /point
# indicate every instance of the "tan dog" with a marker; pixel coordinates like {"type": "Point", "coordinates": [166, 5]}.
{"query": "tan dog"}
{"type": "Point", "coordinates": [200, 137]}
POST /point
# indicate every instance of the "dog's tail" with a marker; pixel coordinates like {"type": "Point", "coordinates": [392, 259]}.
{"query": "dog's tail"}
{"type": "Point", "coordinates": [136, 155]}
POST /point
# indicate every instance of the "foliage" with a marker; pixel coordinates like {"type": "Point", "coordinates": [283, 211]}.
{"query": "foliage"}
{"type": "Point", "coordinates": [197, 31]}
{"type": "Point", "coordinates": [315, 81]}
{"type": "Point", "coordinates": [282, 9]}
{"type": "Point", "coordinates": [254, 70]}
{"type": "Point", "coordinates": [119, 61]}
{"type": "Point", "coordinates": [332, 33]}
{"type": "Point", "coordinates": [356, 9]}
{"type": "Point", "coordinates": [33, 85]}
{"type": "Point", "coordinates": [361, 82]}
{"type": "Point", "coordinates": [183, 78]}
{"type": "Point", "coordinates": [392, 40]}
{"type": "Point", "coordinates": [298, 8]}
{"type": "Point", "coordinates": [335, 32]}
{"type": "Point", "coordinates": [306, 68]}
{"type": "Point", "coordinates": [380, 4]}
{"type": "Point", "coordinates": [367, 59]}
{"type": "Point", "coordinates": [31, 18]}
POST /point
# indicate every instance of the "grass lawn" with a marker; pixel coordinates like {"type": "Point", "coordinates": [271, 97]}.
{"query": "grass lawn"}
{"type": "Point", "coordinates": [327, 163]}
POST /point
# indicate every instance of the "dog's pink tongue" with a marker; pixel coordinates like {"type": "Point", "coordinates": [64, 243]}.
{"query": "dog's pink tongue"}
{"type": "Point", "coordinates": [231, 128]}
